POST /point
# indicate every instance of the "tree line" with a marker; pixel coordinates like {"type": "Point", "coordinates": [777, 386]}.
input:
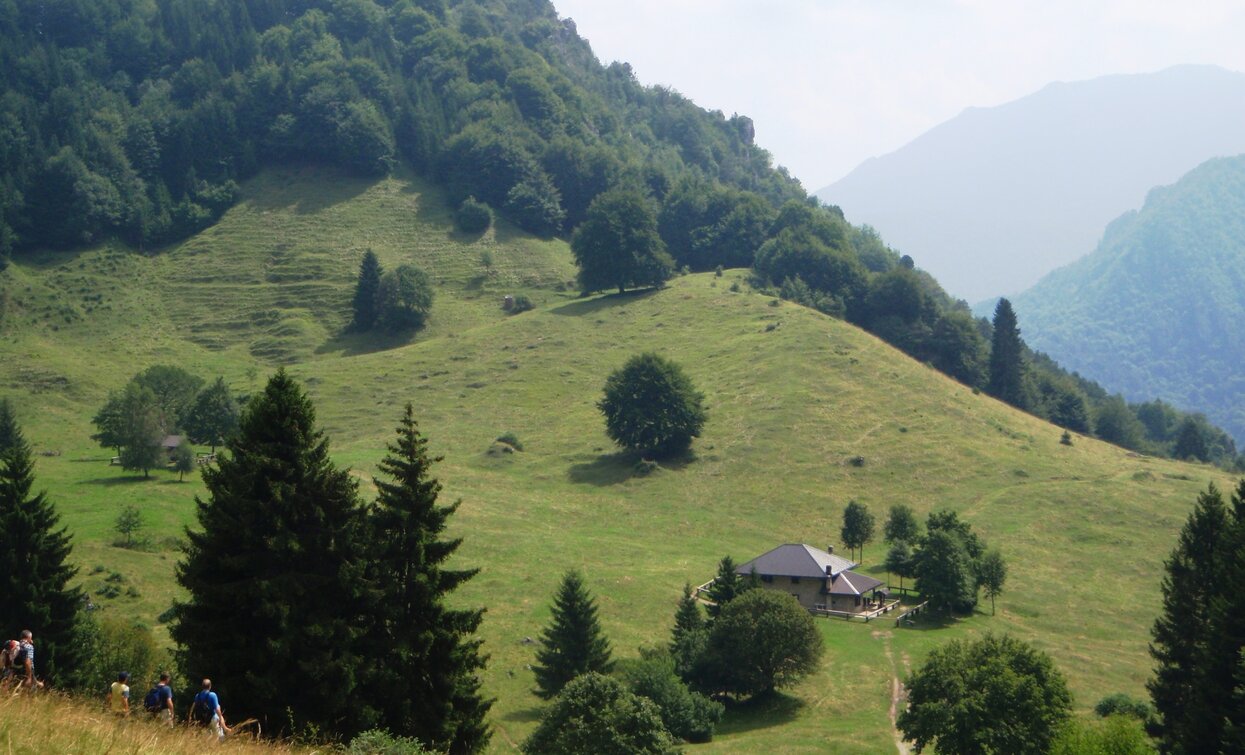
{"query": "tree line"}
{"type": "Point", "coordinates": [314, 611]}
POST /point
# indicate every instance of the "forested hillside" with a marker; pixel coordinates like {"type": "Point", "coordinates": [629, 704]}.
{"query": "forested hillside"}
{"type": "Point", "coordinates": [1156, 309]}
{"type": "Point", "coordinates": [136, 119]}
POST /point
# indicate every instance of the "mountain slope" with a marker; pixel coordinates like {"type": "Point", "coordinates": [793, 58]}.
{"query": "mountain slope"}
{"type": "Point", "coordinates": [794, 397]}
{"type": "Point", "coordinates": [1156, 309]}
{"type": "Point", "coordinates": [996, 197]}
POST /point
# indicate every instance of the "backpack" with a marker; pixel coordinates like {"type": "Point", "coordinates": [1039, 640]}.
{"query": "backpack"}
{"type": "Point", "coordinates": [9, 652]}
{"type": "Point", "coordinates": [152, 701]}
{"type": "Point", "coordinates": [202, 711]}
{"type": "Point", "coordinates": [17, 656]}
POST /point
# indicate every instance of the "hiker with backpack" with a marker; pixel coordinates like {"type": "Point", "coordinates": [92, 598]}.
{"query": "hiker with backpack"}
{"type": "Point", "coordinates": [159, 701]}
{"type": "Point", "coordinates": [118, 698]}
{"type": "Point", "coordinates": [205, 711]}
{"type": "Point", "coordinates": [23, 662]}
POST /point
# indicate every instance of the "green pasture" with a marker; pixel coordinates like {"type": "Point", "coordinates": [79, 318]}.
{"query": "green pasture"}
{"type": "Point", "coordinates": [793, 398]}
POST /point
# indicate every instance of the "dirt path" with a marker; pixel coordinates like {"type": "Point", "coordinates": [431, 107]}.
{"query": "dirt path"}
{"type": "Point", "coordinates": [896, 694]}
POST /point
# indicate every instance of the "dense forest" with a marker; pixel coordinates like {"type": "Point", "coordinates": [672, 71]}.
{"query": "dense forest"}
{"type": "Point", "coordinates": [136, 119]}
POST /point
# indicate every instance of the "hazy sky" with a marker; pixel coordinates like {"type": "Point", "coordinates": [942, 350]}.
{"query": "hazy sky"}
{"type": "Point", "coordinates": [830, 83]}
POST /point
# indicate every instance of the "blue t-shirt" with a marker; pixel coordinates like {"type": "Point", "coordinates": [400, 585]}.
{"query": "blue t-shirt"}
{"type": "Point", "coordinates": [210, 697]}
{"type": "Point", "coordinates": [164, 693]}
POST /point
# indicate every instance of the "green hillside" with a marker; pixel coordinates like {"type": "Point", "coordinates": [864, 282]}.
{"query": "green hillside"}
{"type": "Point", "coordinates": [1154, 310]}
{"type": "Point", "coordinates": [793, 397]}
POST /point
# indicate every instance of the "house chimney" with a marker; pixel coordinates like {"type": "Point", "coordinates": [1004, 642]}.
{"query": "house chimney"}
{"type": "Point", "coordinates": [829, 570]}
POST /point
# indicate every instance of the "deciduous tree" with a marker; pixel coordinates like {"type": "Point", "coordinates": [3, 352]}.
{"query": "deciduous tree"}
{"type": "Point", "coordinates": [992, 695]}
{"type": "Point", "coordinates": [761, 640]}
{"type": "Point", "coordinates": [901, 524]}
{"type": "Point", "coordinates": [651, 406]}
{"type": "Point", "coordinates": [214, 415]}
{"type": "Point", "coordinates": [596, 714]}
{"type": "Point", "coordinates": [992, 573]}
{"type": "Point", "coordinates": [857, 526]}
{"type": "Point", "coordinates": [617, 245]}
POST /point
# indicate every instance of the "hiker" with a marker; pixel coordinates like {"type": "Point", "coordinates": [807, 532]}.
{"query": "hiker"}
{"type": "Point", "coordinates": [7, 653]}
{"type": "Point", "coordinates": [24, 661]}
{"type": "Point", "coordinates": [205, 711]}
{"type": "Point", "coordinates": [118, 698]}
{"type": "Point", "coordinates": [159, 701]}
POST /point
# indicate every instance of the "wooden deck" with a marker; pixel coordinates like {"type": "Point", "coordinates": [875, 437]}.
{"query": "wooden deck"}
{"type": "Point", "coordinates": [866, 616]}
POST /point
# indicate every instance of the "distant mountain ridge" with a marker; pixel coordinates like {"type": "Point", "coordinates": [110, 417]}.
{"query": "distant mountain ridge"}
{"type": "Point", "coordinates": [994, 198]}
{"type": "Point", "coordinates": [1156, 310]}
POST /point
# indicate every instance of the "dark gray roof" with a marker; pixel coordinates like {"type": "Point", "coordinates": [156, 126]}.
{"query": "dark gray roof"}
{"type": "Point", "coordinates": [796, 560]}
{"type": "Point", "coordinates": [851, 583]}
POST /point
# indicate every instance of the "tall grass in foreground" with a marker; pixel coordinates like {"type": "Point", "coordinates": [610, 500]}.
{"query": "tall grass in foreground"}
{"type": "Point", "coordinates": [53, 722]}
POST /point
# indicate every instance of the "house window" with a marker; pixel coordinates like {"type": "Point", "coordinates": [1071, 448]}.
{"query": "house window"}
{"type": "Point", "coordinates": [857, 600]}
{"type": "Point", "coordinates": [795, 580]}
{"type": "Point", "coordinates": [767, 577]}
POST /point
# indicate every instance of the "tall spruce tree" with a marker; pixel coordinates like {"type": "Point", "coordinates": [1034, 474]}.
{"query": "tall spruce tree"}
{"type": "Point", "coordinates": [34, 555]}
{"type": "Point", "coordinates": [572, 644]}
{"type": "Point", "coordinates": [1007, 358]}
{"type": "Point", "coordinates": [275, 574]}
{"type": "Point", "coordinates": [1214, 717]}
{"type": "Point", "coordinates": [425, 656]}
{"type": "Point", "coordinates": [370, 272]}
{"type": "Point", "coordinates": [727, 586]}
{"type": "Point", "coordinates": [1182, 627]}
{"type": "Point", "coordinates": [687, 640]}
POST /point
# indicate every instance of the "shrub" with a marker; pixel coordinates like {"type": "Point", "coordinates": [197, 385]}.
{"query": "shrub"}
{"type": "Point", "coordinates": [113, 645]}
{"type": "Point", "coordinates": [760, 640]}
{"type": "Point", "coordinates": [688, 715]}
{"type": "Point", "coordinates": [404, 298]}
{"type": "Point", "coordinates": [1119, 703]}
{"type": "Point", "coordinates": [473, 216]}
{"type": "Point", "coordinates": [1066, 438]}
{"type": "Point", "coordinates": [381, 742]}
{"type": "Point", "coordinates": [522, 303]}
{"type": "Point", "coordinates": [595, 713]}
{"type": "Point", "coordinates": [717, 272]}
{"type": "Point", "coordinates": [510, 439]}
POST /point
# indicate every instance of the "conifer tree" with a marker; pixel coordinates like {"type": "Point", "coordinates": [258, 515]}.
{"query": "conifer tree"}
{"type": "Point", "coordinates": [1182, 626]}
{"type": "Point", "coordinates": [34, 555]}
{"type": "Point", "coordinates": [572, 644]}
{"type": "Point", "coordinates": [1007, 358]}
{"type": "Point", "coordinates": [370, 272]}
{"type": "Point", "coordinates": [274, 574]}
{"type": "Point", "coordinates": [726, 586]}
{"type": "Point", "coordinates": [424, 674]}
{"type": "Point", "coordinates": [1213, 713]}
{"type": "Point", "coordinates": [687, 640]}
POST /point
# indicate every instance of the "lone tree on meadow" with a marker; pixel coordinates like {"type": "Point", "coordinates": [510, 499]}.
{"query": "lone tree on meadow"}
{"type": "Point", "coordinates": [992, 695]}
{"type": "Point", "coordinates": [618, 245]}
{"type": "Point", "coordinates": [365, 291]}
{"type": "Point", "coordinates": [213, 416]}
{"type": "Point", "coordinates": [651, 406]}
{"type": "Point", "coordinates": [403, 298]}
{"type": "Point", "coordinates": [1007, 358]}
{"type": "Point", "coordinates": [35, 572]}
{"type": "Point", "coordinates": [944, 573]}
{"type": "Point", "coordinates": [140, 429]}
{"type": "Point", "coordinates": [426, 659]}
{"type": "Point", "coordinates": [992, 573]}
{"type": "Point", "coordinates": [759, 641]}
{"type": "Point", "coordinates": [573, 643]}
{"type": "Point", "coordinates": [275, 574]}
{"type": "Point", "coordinates": [129, 523]}
{"type": "Point", "coordinates": [857, 527]}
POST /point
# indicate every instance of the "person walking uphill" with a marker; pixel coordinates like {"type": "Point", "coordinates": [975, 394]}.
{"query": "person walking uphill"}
{"type": "Point", "coordinates": [205, 711]}
{"type": "Point", "coordinates": [118, 699]}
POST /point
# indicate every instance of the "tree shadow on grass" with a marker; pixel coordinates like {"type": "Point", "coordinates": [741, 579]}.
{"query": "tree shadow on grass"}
{"type": "Point", "coordinates": [526, 715]}
{"type": "Point", "coordinates": [927, 621]}
{"type": "Point", "coordinates": [352, 343]}
{"type": "Point", "coordinates": [596, 304]}
{"type": "Point", "coordinates": [618, 467]}
{"type": "Point", "coordinates": [761, 712]}
{"type": "Point", "coordinates": [132, 479]}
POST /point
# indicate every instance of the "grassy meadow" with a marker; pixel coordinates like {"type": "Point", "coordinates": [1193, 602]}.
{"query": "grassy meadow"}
{"type": "Point", "coordinates": [793, 398]}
